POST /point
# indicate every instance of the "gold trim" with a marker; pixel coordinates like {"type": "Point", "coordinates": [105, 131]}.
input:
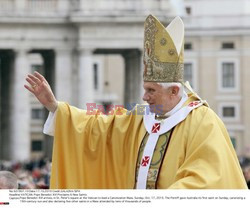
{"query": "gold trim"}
{"type": "Point", "coordinates": [164, 72]}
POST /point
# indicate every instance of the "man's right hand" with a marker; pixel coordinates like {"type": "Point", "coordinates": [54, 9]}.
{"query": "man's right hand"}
{"type": "Point", "coordinates": [41, 89]}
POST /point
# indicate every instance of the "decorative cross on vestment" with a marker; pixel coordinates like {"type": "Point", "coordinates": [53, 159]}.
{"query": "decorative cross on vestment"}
{"type": "Point", "coordinates": [145, 161]}
{"type": "Point", "coordinates": [156, 127]}
{"type": "Point", "coordinates": [193, 103]}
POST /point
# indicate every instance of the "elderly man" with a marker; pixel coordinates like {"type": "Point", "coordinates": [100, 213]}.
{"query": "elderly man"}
{"type": "Point", "coordinates": [175, 142]}
{"type": "Point", "coordinates": [8, 180]}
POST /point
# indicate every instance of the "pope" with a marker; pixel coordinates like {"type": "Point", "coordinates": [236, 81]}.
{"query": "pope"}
{"type": "Point", "coordinates": [178, 142]}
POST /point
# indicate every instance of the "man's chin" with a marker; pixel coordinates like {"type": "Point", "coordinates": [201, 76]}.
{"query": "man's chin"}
{"type": "Point", "coordinates": [152, 108]}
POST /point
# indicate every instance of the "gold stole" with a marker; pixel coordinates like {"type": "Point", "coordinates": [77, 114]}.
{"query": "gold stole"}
{"type": "Point", "coordinates": [158, 156]}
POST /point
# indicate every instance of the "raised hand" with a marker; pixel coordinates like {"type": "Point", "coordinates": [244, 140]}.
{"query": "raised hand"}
{"type": "Point", "coordinates": [41, 89]}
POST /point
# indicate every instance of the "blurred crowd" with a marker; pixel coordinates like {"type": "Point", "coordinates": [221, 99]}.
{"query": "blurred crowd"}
{"type": "Point", "coordinates": [245, 166]}
{"type": "Point", "coordinates": [35, 174]}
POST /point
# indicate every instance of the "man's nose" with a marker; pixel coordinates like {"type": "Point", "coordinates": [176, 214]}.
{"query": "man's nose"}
{"type": "Point", "coordinates": [145, 97]}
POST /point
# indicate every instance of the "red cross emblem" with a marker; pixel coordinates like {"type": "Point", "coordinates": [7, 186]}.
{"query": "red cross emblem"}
{"type": "Point", "coordinates": [194, 103]}
{"type": "Point", "coordinates": [156, 127]}
{"type": "Point", "coordinates": [145, 161]}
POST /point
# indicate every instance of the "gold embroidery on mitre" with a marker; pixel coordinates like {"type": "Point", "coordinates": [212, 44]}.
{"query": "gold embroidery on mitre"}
{"type": "Point", "coordinates": [161, 60]}
{"type": "Point", "coordinates": [163, 41]}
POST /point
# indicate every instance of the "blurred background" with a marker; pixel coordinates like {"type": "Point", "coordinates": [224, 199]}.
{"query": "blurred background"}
{"type": "Point", "coordinates": [91, 51]}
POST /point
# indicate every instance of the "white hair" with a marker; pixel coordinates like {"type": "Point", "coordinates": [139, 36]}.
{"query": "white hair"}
{"type": "Point", "coordinates": [168, 85]}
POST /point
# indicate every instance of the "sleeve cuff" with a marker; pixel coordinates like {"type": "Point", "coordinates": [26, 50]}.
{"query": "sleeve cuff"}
{"type": "Point", "coordinates": [49, 126]}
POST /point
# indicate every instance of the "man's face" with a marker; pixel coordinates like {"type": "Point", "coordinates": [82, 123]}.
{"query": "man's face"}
{"type": "Point", "coordinates": [158, 98]}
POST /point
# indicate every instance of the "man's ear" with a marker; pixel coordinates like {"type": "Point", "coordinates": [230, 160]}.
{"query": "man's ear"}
{"type": "Point", "coordinates": [175, 90]}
